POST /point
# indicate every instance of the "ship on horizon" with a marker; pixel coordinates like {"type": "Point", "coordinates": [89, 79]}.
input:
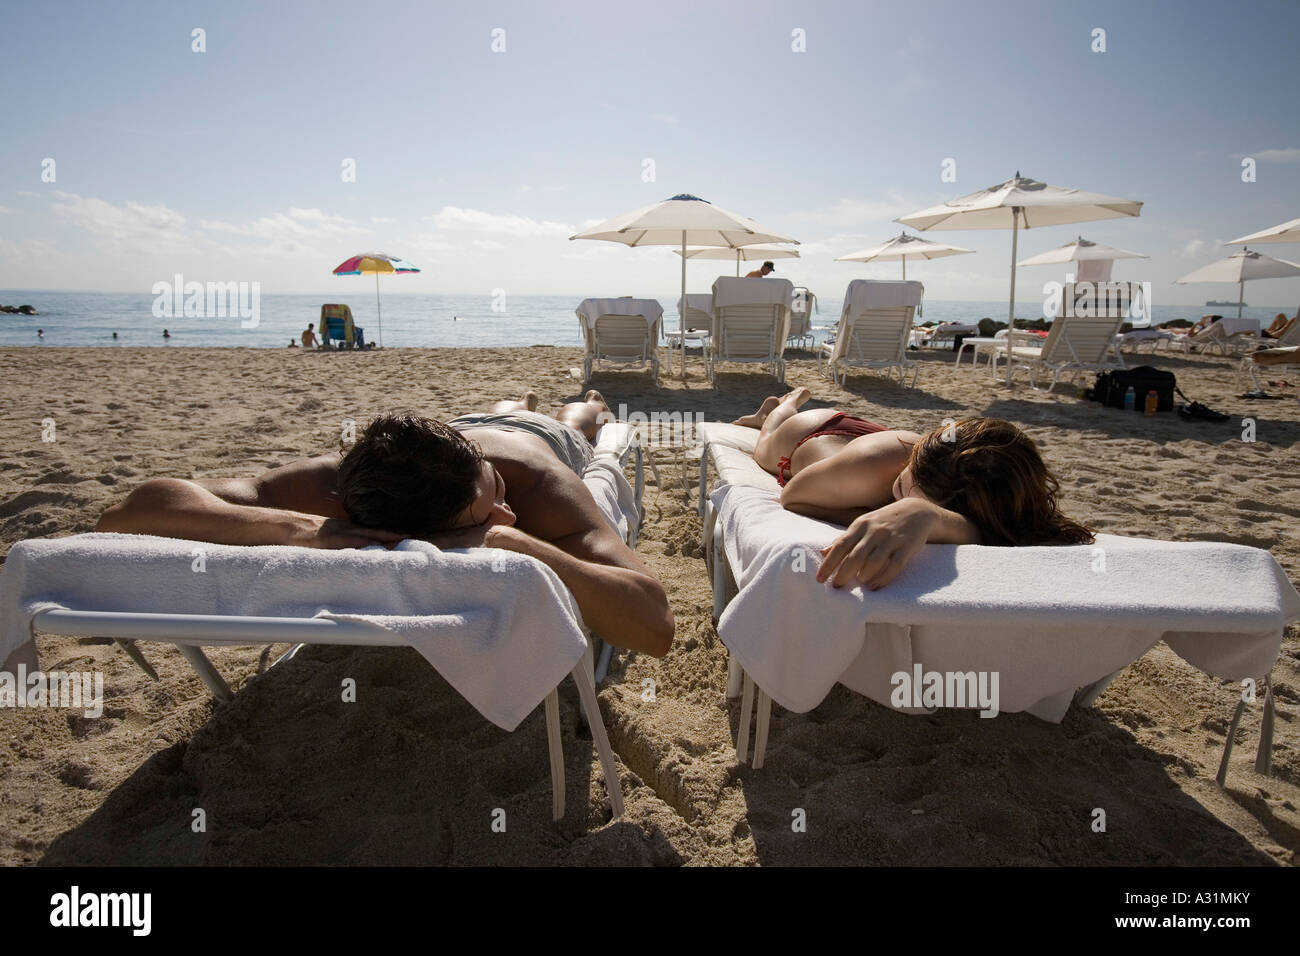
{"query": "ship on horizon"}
{"type": "Point", "coordinates": [1232, 304]}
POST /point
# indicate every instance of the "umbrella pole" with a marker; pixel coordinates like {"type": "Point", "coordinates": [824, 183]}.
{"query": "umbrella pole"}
{"type": "Point", "coordinates": [737, 263]}
{"type": "Point", "coordinates": [379, 314]}
{"type": "Point", "coordinates": [1241, 294]}
{"type": "Point", "coordinates": [681, 312]}
{"type": "Point", "coordinates": [1011, 309]}
{"type": "Point", "coordinates": [904, 260]}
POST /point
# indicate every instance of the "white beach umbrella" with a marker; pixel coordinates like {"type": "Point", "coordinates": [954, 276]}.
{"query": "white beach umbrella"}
{"type": "Point", "coordinates": [1287, 232]}
{"type": "Point", "coordinates": [683, 220]}
{"type": "Point", "coordinates": [1083, 250]}
{"type": "Point", "coordinates": [1240, 268]}
{"type": "Point", "coordinates": [1020, 203]}
{"type": "Point", "coordinates": [745, 254]}
{"type": "Point", "coordinates": [904, 247]}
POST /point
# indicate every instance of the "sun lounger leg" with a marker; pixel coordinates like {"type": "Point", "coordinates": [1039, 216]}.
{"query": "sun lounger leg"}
{"type": "Point", "coordinates": [211, 677]}
{"type": "Point", "coordinates": [734, 678]}
{"type": "Point", "coordinates": [556, 748]}
{"type": "Point", "coordinates": [602, 662]}
{"type": "Point", "coordinates": [704, 476]}
{"type": "Point", "coordinates": [1264, 756]}
{"type": "Point", "coordinates": [764, 721]}
{"type": "Point", "coordinates": [288, 655]}
{"type": "Point", "coordinates": [587, 694]}
{"type": "Point", "coordinates": [742, 732]}
{"type": "Point", "coordinates": [1222, 775]}
{"type": "Point", "coordinates": [133, 652]}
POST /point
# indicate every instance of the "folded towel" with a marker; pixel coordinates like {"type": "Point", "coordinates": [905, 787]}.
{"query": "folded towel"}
{"type": "Point", "coordinates": [499, 626]}
{"type": "Point", "coordinates": [728, 291]}
{"type": "Point", "coordinates": [589, 310]}
{"type": "Point", "coordinates": [1075, 615]}
{"type": "Point", "coordinates": [880, 294]}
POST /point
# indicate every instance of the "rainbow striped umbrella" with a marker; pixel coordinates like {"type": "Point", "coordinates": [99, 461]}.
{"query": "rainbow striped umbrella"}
{"type": "Point", "coordinates": [376, 263]}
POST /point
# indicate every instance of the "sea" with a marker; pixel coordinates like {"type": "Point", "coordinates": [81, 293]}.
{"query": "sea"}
{"type": "Point", "coordinates": [407, 320]}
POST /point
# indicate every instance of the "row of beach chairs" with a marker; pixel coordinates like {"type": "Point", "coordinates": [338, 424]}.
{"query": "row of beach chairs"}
{"type": "Point", "coordinates": [753, 321]}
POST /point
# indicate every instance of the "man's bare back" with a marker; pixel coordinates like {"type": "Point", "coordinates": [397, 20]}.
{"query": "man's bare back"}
{"type": "Point", "coordinates": [555, 519]}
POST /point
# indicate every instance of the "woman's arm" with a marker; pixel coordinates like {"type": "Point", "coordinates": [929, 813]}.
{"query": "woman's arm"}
{"type": "Point", "coordinates": [878, 545]}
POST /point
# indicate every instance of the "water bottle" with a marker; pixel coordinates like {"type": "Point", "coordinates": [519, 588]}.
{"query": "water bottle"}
{"type": "Point", "coordinates": [1153, 402]}
{"type": "Point", "coordinates": [1130, 400]}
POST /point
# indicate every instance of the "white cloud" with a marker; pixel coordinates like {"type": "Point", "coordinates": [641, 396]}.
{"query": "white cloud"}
{"type": "Point", "coordinates": [454, 217]}
{"type": "Point", "coordinates": [6, 211]}
{"type": "Point", "coordinates": [382, 220]}
{"type": "Point", "coordinates": [1192, 249]}
{"type": "Point", "coordinates": [26, 250]}
{"type": "Point", "coordinates": [668, 119]}
{"type": "Point", "coordinates": [859, 212]}
{"type": "Point", "coordinates": [131, 226]}
{"type": "Point", "coordinates": [293, 234]}
{"type": "Point", "coordinates": [486, 245]}
{"type": "Point", "coordinates": [28, 193]}
{"type": "Point", "coordinates": [1278, 155]}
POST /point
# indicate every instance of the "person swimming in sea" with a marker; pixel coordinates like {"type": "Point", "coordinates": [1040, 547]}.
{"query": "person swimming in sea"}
{"type": "Point", "coordinates": [974, 481]}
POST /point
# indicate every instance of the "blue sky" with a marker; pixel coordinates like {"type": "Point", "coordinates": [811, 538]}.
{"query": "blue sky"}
{"type": "Point", "coordinates": [477, 166]}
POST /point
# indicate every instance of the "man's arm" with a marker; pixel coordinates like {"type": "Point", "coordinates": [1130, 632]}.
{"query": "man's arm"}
{"type": "Point", "coordinates": [625, 605]}
{"type": "Point", "coordinates": [618, 596]}
{"type": "Point", "coordinates": [284, 506]}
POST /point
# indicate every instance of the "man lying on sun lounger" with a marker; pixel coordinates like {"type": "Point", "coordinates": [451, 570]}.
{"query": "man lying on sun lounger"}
{"type": "Point", "coordinates": [509, 478]}
{"type": "Point", "coordinates": [976, 481]}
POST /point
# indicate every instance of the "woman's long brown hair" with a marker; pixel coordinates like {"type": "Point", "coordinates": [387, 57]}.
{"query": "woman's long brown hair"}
{"type": "Point", "coordinates": [990, 472]}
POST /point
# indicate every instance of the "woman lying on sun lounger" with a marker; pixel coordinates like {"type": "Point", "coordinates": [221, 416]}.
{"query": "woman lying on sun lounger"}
{"type": "Point", "coordinates": [977, 481]}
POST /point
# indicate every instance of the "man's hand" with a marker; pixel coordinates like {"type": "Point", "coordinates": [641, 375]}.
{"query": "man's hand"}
{"type": "Point", "coordinates": [314, 531]}
{"type": "Point", "coordinates": [877, 545]}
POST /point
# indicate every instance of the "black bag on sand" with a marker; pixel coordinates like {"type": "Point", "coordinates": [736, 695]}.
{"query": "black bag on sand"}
{"type": "Point", "coordinates": [1111, 386]}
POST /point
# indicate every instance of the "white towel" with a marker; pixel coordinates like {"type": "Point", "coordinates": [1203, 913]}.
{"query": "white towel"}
{"type": "Point", "coordinates": [1047, 620]}
{"type": "Point", "coordinates": [880, 294]}
{"type": "Point", "coordinates": [589, 310]}
{"type": "Point", "coordinates": [728, 290]}
{"type": "Point", "coordinates": [499, 626]}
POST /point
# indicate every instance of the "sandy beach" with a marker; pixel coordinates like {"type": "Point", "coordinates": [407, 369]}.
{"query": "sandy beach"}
{"type": "Point", "coordinates": [410, 776]}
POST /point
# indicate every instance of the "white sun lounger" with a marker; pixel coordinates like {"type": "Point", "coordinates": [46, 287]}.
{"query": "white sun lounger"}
{"type": "Point", "coordinates": [875, 324]}
{"type": "Point", "coordinates": [1223, 608]}
{"type": "Point", "coordinates": [65, 586]}
{"type": "Point", "coordinates": [751, 322]}
{"type": "Point", "coordinates": [621, 332]}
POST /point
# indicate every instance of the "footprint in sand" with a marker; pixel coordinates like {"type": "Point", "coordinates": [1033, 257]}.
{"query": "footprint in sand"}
{"type": "Point", "coordinates": [1268, 507]}
{"type": "Point", "coordinates": [61, 476]}
{"type": "Point", "coordinates": [30, 499]}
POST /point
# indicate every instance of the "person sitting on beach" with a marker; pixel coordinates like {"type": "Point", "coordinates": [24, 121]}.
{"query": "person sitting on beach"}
{"type": "Point", "coordinates": [762, 271]}
{"type": "Point", "coordinates": [976, 481]}
{"type": "Point", "coordinates": [1280, 326]}
{"type": "Point", "coordinates": [309, 340]}
{"type": "Point", "coordinates": [509, 478]}
{"type": "Point", "coordinates": [1205, 322]}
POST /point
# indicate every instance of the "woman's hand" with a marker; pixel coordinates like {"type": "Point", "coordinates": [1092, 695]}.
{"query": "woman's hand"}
{"type": "Point", "coordinates": [878, 544]}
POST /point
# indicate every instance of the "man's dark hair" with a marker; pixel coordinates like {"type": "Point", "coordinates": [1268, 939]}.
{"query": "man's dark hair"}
{"type": "Point", "coordinates": [409, 474]}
